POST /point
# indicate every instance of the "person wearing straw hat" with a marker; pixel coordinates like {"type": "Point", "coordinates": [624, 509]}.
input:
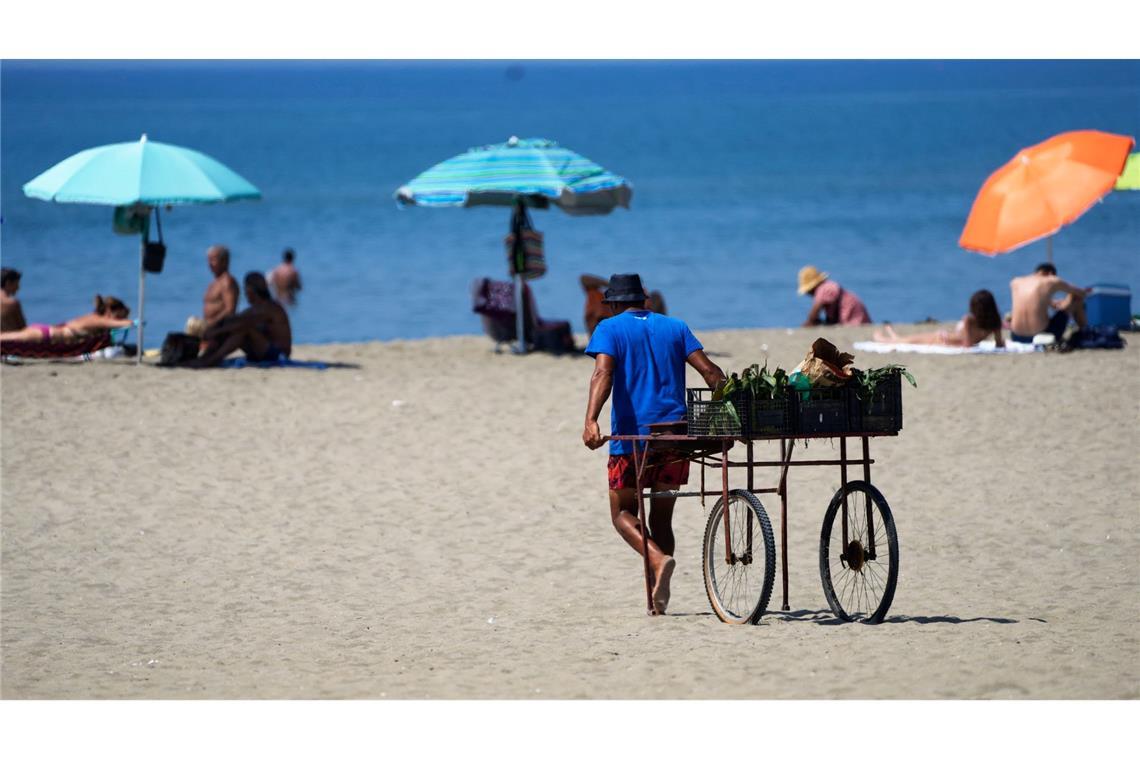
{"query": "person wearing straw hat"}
{"type": "Point", "coordinates": [640, 356]}
{"type": "Point", "coordinates": [831, 303]}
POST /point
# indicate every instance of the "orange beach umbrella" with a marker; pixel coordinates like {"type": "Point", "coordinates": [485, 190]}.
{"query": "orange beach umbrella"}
{"type": "Point", "coordinates": [1043, 188]}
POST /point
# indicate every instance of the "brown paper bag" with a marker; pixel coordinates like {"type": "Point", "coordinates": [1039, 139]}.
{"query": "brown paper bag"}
{"type": "Point", "coordinates": [825, 365]}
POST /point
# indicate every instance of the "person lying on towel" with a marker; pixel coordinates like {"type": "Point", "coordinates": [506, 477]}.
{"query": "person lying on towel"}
{"type": "Point", "coordinates": [109, 313]}
{"type": "Point", "coordinates": [980, 322]}
{"type": "Point", "coordinates": [262, 331]}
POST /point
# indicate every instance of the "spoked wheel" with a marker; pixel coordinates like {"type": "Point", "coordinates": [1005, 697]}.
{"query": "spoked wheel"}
{"type": "Point", "coordinates": [739, 572]}
{"type": "Point", "coordinates": [859, 554]}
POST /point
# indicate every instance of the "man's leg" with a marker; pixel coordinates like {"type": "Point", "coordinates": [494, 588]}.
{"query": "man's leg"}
{"type": "Point", "coordinates": [661, 519]}
{"type": "Point", "coordinates": [246, 338]}
{"type": "Point", "coordinates": [623, 514]}
{"type": "Point", "coordinates": [1076, 308]}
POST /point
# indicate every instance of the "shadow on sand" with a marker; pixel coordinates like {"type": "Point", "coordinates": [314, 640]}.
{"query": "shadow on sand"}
{"type": "Point", "coordinates": [826, 617]}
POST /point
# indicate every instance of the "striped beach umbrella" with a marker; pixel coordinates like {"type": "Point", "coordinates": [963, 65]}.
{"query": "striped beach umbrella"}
{"type": "Point", "coordinates": [538, 171]}
{"type": "Point", "coordinates": [520, 173]}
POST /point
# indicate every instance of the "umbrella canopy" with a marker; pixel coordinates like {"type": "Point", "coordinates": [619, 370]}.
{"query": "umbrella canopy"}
{"type": "Point", "coordinates": [1043, 188]}
{"type": "Point", "coordinates": [146, 172]}
{"type": "Point", "coordinates": [1129, 179]}
{"type": "Point", "coordinates": [537, 170]}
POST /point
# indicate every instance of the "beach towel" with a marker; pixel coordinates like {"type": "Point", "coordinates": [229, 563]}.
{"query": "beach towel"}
{"type": "Point", "coordinates": [985, 347]}
{"type": "Point", "coordinates": [28, 349]}
{"type": "Point", "coordinates": [240, 362]}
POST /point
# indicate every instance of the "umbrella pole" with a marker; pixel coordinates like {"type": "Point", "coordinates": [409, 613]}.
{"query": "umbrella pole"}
{"type": "Point", "coordinates": [1049, 243]}
{"type": "Point", "coordinates": [142, 291]}
{"type": "Point", "coordinates": [519, 321]}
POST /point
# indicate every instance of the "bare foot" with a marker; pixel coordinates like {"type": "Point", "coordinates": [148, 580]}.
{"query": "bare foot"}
{"type": "Point", "coordinates": [661, 587]}
{"type": "Point", "coordinates": [886, 335]}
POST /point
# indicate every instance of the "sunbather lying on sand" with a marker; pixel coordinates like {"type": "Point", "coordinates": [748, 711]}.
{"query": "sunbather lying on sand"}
{"type": "Point", "coordinates": [979, 323]}
{"type": "Point", "coordinates": [109, 313]}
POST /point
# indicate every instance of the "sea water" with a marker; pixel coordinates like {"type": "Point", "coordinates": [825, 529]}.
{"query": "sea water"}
{"type": "Point", "coordinates": [742, 172]}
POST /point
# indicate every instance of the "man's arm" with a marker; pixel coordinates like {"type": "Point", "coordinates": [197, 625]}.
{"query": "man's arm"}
{"type": "Point", "coordinates": [229, 323]}
{"type": "Point", "coordinates": [601, 383]}
{"type": "Point", "coordinates": [230, 298]}
{"type": "Point", "coordinates": [1068, 287]}
{"type": "Point", "coordinates": [712, 374]}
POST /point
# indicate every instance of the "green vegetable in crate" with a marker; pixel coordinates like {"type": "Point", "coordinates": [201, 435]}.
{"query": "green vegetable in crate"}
{"type": "Point", "coordinates": [723, 418]}
{"type": "Point", "coordinates": [866, 382]}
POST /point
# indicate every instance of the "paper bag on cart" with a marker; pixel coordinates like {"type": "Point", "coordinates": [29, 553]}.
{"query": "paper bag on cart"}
{"type": "Point", "coordinates": [825, 365]}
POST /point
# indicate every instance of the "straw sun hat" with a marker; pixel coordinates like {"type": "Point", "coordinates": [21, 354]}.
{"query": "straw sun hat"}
{"type": "Point", "coordinates": [810, 277]}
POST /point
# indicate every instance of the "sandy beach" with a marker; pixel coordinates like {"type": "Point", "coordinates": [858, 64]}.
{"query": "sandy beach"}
{"type": "Point", "coordinates": [425, 523]}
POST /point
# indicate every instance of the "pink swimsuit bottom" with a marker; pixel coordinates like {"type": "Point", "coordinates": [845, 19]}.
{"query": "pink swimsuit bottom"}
{"type": "Point", "coordinates": [45, 330]}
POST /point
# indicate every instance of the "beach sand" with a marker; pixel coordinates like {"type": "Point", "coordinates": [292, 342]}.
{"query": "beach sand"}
{"type": "Point", "coordinates": [428, 525]}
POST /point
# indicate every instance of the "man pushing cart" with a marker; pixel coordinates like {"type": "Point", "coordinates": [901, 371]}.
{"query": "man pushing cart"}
{"type": "Point", "coordinates": [640, 356]}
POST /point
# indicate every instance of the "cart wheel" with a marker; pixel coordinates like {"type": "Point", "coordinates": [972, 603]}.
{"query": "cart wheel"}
{"type": "Point", "coordinates": [859, 578]}
{"type": "Point", "coordinates": [739, 585]}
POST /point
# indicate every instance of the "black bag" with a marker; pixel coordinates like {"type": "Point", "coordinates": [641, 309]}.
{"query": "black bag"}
{"type": "Point", "coordinates": [178, 348]}
{"type": "Point", "coordinates": [1103, 336]}
{"type": "Point", "coordinates": [154, 254]}
{"type": "Point", "coordinates": [153, 257]}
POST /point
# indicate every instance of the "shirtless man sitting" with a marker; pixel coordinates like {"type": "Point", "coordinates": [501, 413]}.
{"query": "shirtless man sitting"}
{"type": "Point", "coordinates": [222, 294]}
{"type": "Point", "coordinates": [11, 313]}
{"type": "Point", "coordinates": [262, 331]}
{"type": "Point", "coordinates": [1032, 297]}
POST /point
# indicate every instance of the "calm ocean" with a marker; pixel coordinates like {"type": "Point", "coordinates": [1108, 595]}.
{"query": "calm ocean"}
{"type": "Point", "coordinates": [742, 173]}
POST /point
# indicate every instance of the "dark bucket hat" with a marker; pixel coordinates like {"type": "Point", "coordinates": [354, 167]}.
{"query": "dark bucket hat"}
{"type": "Point", "coordinates": [624, 288]}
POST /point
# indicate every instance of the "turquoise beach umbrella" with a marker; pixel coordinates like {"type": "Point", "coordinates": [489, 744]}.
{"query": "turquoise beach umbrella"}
{"type": "Point", "coordinates": [146, 172]}
{"type": "Point", "coordinates": [534, 172]}
{"type": "Point", "coordinates": [539, 171]}
{"type": "Point", "coordinates": [142, 175]}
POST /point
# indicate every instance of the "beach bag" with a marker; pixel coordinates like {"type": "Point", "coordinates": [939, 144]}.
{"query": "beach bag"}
{"type": "Point", "coordinates": [178, 348]}
{"type": "Point", "coordinates": [533, 258]}
{"type": "Point", "coordinates": [525, 247]}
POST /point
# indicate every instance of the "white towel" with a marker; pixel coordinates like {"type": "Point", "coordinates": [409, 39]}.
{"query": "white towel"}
{"type": "Point", "coordinates": [985, 347]}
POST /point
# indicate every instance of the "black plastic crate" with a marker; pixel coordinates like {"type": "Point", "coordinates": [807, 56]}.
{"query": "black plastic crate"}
{"type": "Point", "coordinates": [822, 410]}
{"type": "Point", "coordinates": [767, 416]}
{"type": "Point", "coordinates": [882, 412]}
{"type": "Point", "coordinates": [708, 417]}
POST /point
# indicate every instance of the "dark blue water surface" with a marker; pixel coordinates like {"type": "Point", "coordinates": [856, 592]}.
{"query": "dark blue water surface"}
{"type": "Point", "coordinates": [742, 173]}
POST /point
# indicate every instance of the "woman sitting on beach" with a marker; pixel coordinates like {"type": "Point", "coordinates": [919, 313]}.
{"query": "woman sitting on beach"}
{"type": "Point", "coordinates": [980, 322]}
{"type": "Point", "coordinates": [109, 313]}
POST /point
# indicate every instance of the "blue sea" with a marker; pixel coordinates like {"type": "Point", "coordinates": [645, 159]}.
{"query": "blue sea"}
{"type": "Point", "coordinates": [742, 173]}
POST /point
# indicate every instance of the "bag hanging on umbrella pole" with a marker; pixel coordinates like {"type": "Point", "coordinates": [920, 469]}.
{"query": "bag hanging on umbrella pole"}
{"type": "Point", "coordinates": [525, 262]}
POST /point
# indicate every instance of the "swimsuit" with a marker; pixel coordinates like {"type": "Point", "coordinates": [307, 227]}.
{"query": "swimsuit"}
{"type": "Point", "coordinates": [1056, 326]}
{"type": "Point", "coordinates": [45, 330]}
{"type": "Point", "coordinates": [661, 468]}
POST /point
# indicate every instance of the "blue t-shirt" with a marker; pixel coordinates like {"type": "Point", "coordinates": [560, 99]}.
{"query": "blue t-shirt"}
{"type": "Point", "coordinates": [649, 352]}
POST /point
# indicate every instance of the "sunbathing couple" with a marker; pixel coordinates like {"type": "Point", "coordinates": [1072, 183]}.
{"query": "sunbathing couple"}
{"type": "Point", "coordinates": [1032, 297]}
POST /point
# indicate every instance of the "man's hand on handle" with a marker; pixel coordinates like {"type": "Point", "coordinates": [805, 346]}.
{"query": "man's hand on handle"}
{"type": "Point", "coordinates": [592, 435]}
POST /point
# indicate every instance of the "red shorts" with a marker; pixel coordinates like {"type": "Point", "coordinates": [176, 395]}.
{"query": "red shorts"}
{"type": "Point", "coordinates": [660, 469]}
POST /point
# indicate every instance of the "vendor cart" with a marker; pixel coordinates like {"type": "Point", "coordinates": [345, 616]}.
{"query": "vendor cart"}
{"type": "Point", "coordinates": [858, 546]}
